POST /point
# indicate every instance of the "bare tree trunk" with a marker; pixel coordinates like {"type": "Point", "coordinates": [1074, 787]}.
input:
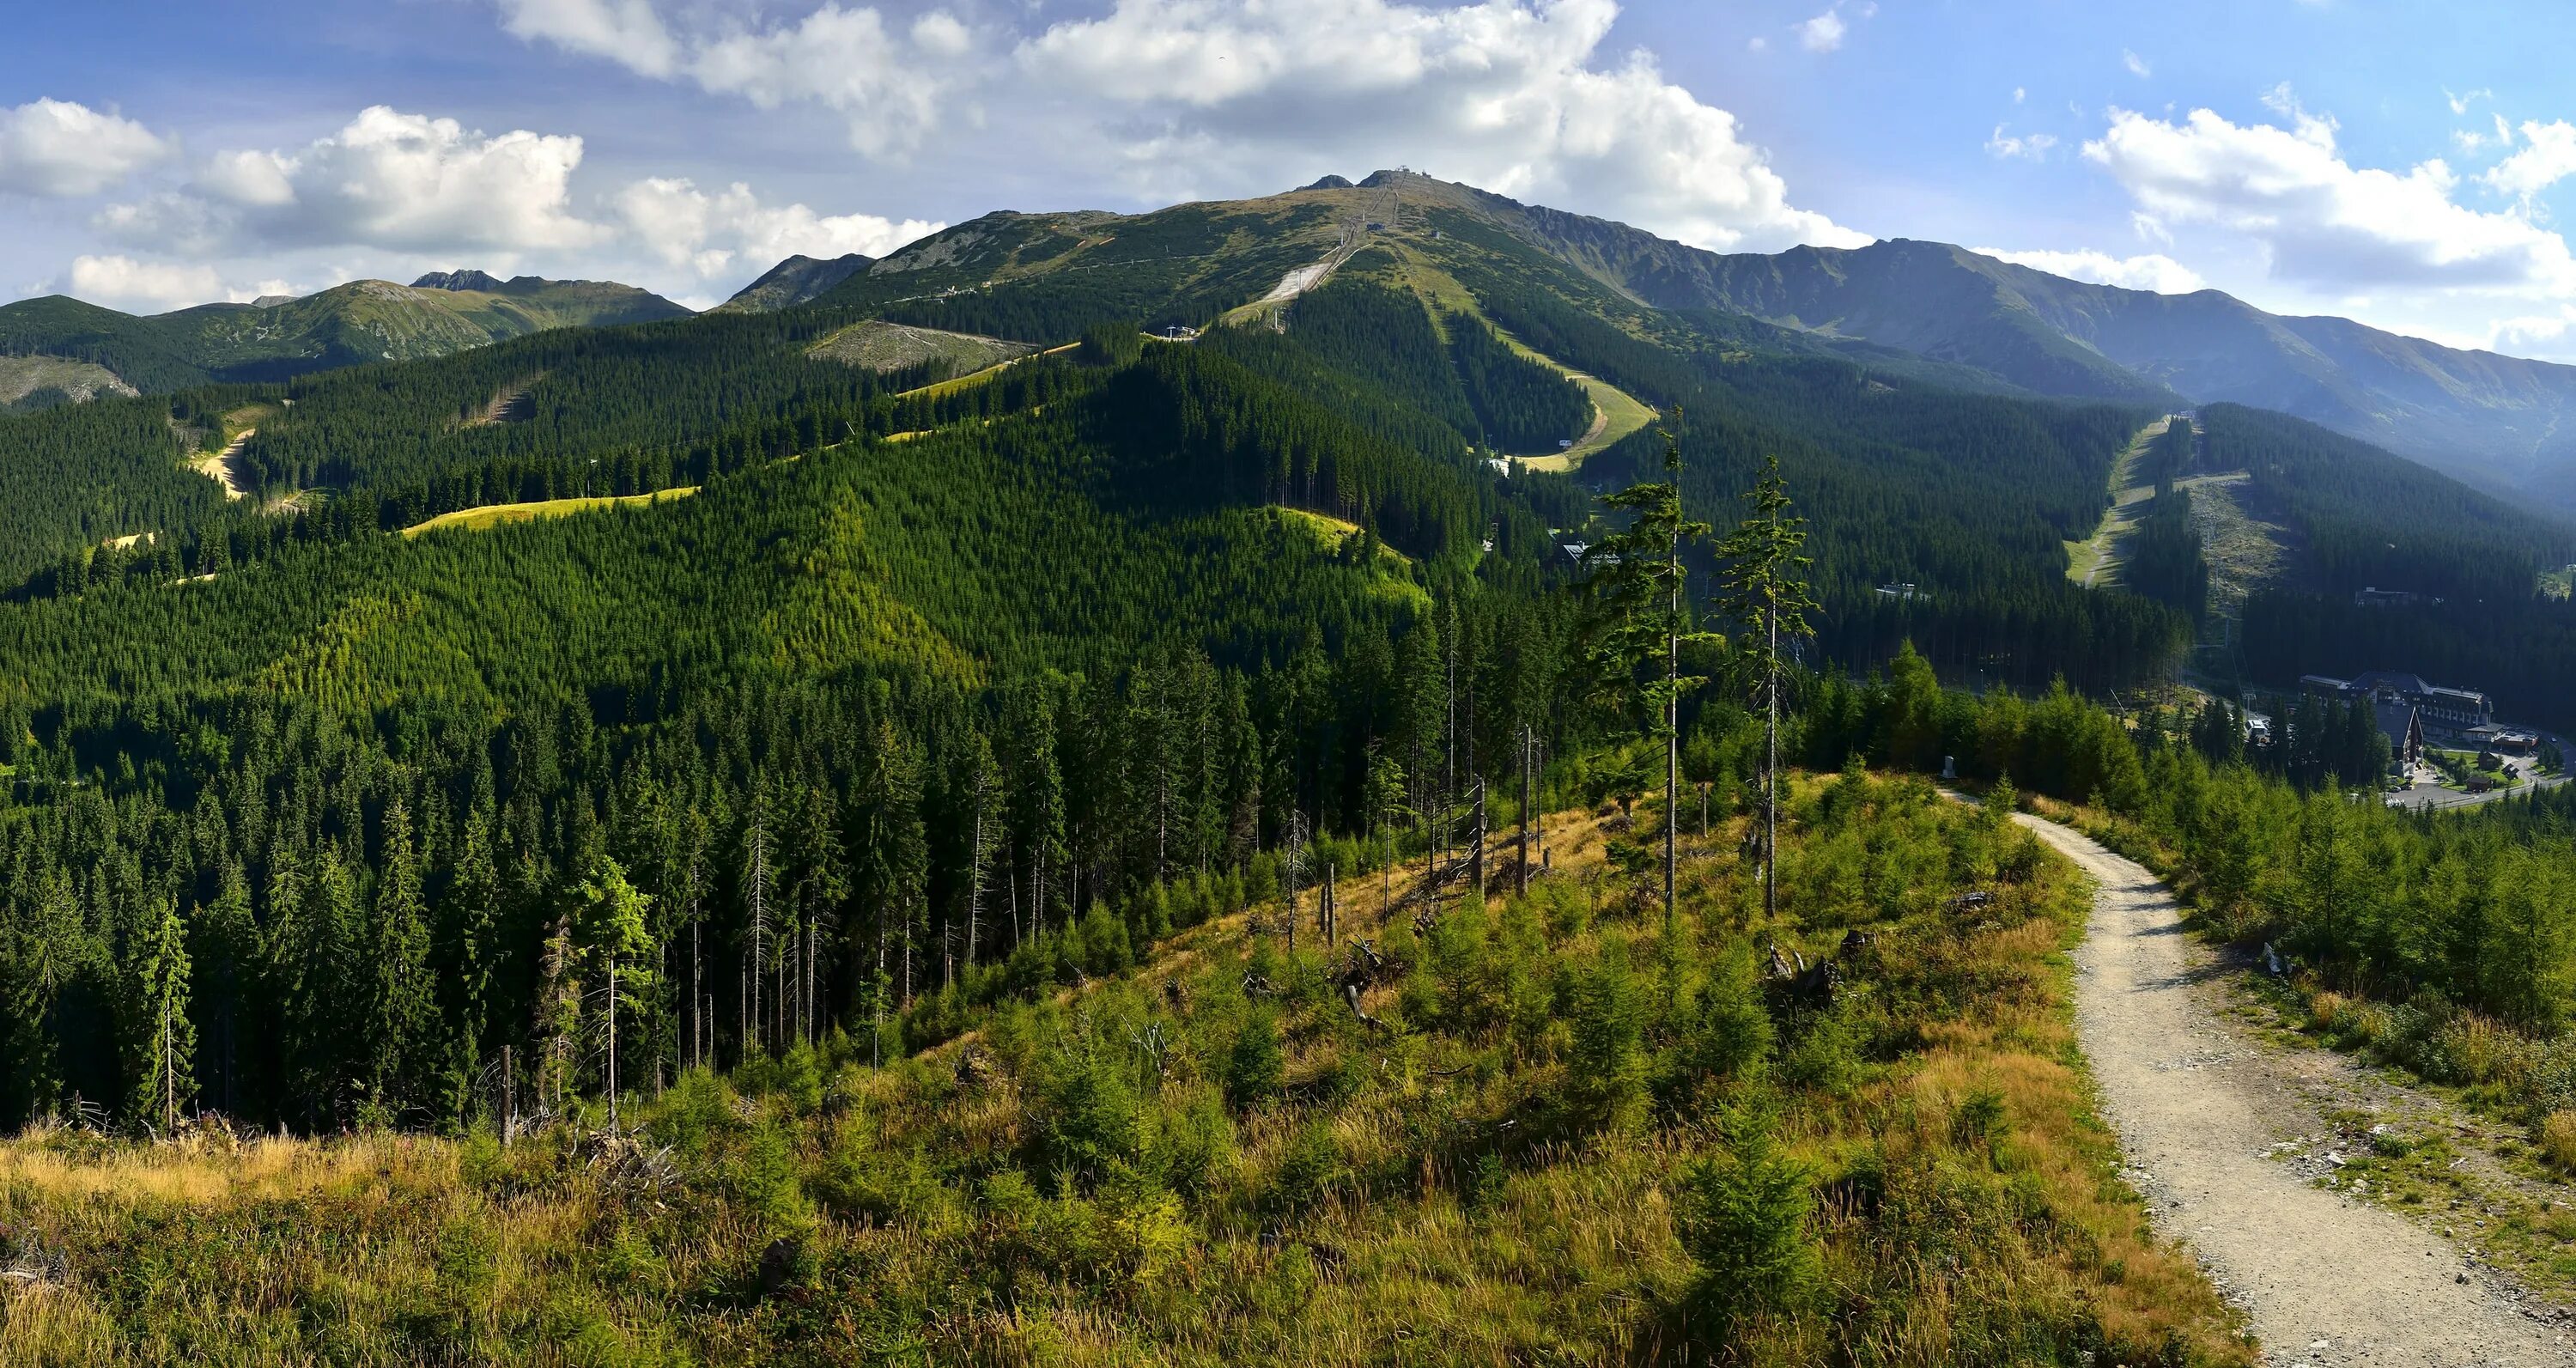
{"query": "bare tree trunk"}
{"type": "Point", "coordinates": [1672, 730]}
{"type": "Point", "coordinates": [975, 886]}
{"type": "Point", "coordinates": [612, 1042]}
{"type": "Point", "coordinates": [1527, 744]}
{"type": "Point", "coordinates": [1771, 770]}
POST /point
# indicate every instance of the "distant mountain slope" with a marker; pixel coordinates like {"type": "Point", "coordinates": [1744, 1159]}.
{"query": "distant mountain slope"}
{"type": "Point", "coordinates": [2496, 421]}
{"type": "Point", "coordinates": [1048, 277]}
{"type": "Point", "coordinates": [795, 280]}
{"type": "Point", "coordinates": [362, 321]}
{"type": "Point", "coordinates": [33, 382]}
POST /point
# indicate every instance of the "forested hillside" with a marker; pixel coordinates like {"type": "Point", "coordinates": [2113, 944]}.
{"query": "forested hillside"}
{"type": "Point", "coordinates": [1132, 616]}
{"type": "Point", "coordinates": [2370, 520]}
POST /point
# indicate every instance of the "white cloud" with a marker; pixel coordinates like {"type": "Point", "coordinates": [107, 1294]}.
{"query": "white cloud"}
{"type": "Point", "coordinates": [2136, 64]}
{"type": "Point", "coordinates": [2149, 228]}
{"type": "Point", "coordinates": [2548, 156]}
{"type": "Point", "coordinates": [1824, 33]}
{"type": "Point", "coordinates": [710, 234]}
{"type": "Point", "coordinates": [123, 282]}
{"type": "Point", "coordinates": [1502, 94]}
{"type": "Point", "coordinates": [56, 147]}
{"type": "Point", "coordinates": [624, 31]}
{"type": "Point", "coordinates": [2026, 146]}
{"type": "Point", "coordinates": [2159, 273]}
{"type": "Point", "coordinates": [2526, 333]}
{"type": "Point", "coordinates": [940, 34]}
{"type": "Point", "coordinates": [890, 86]}
{"type": "Point", "coordinates": [2460, 102]}
{"type": "Point", "coordinates": [260, 178]}
{"type": "Point", "coordinates": [2020, 93]}
{"type": "Point", "coordinates": [847, 61]}
{"type": "Point", "coordinates": [389, 180]}
{"type": "Point", "coordinates": [2322, 221]}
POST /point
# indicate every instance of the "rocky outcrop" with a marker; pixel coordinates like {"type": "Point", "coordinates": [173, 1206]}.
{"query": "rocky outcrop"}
{"type": "Point", "coordinates": [458, 280]}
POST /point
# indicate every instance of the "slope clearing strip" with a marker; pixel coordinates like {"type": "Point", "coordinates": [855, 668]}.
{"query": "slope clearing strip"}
{"type": "Point", "coordinates": [2086, 560]}
{"type": "Point", "coordinates": [1615, 412]}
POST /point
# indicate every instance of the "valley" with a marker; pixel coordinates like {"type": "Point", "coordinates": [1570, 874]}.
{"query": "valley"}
{"type": "Point", "coordinates": [966, 807]}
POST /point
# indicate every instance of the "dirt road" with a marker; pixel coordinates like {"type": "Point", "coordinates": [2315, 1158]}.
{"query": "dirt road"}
{"type": "Point", "coordinates": [2199, 1106]}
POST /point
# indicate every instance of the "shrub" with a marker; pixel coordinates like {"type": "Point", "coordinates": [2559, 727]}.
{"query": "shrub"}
{"type": "Point", "coordinates": [1193, 1144]}
{"type": "Point", "coordinates": [1257, 1065]}
{"type": "Point", "coordinates": [1825, 1056]}
{"type": "Point", "coordinates": [1608, 1059]}
{"type": "Point", "coordinates": [765, 1183]}
{"type": "Point", "coordinates": [1732, 1032]}
{"type": "Point", "coordinates": [2322, 1011]}
{"type": "Point", "coordinates": [1309, 1171]}
{"type": "Point", "coordinates": [2475, 1049]}
{"type": "Point", "coordinates": [2556, 1137]}
{"type": "Point", "coordinates": [1086, 1118]}
{"type": "Point", "coordinates": [1744, 1215]}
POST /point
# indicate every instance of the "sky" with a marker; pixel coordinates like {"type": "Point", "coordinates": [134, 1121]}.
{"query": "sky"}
{"type": "Point", "coordinates": [2400, 164]}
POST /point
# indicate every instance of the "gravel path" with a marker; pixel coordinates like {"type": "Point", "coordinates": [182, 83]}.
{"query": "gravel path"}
{"type": "Point", "coordinates": [2199, 1107]}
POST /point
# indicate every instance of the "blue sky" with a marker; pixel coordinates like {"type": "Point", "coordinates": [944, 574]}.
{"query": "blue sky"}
{"type": "Point", "coordinates": [2402, 166]}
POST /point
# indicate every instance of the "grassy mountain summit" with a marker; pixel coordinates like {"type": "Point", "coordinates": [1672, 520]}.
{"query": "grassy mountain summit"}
{"type": "Point", "coordinates": [351, 324]}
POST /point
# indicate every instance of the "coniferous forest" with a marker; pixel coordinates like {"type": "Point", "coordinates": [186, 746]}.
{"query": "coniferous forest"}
{"type": "Point", "coordinates": [1166, 850]}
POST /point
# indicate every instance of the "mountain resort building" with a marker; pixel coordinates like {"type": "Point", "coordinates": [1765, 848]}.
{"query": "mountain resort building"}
{"type": "Point", "coordinates": [2442, 709]}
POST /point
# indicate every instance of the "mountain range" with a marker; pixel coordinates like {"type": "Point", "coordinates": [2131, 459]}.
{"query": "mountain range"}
{"type": "Point", "coordinates": [350, 324]}
{"type": "Point", "coordinates": [2496, 421]}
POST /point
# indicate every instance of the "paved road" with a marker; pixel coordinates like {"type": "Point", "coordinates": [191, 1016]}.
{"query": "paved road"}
{"type": "Point", "coordinates": [2198, 1107]}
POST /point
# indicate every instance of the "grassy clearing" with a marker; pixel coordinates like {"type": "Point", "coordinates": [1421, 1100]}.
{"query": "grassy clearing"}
{"type": "Point", "coordinates": [882, 347]}
{"type": "Point", "coordinates": [956, 383]}
{"type": "Point", "coordinates": [1616, 414]}
{"type": "Point", "coordinates": [2244, 552]}
{"type": "Point", "coordinates": [1572, 1135]}
{"type": "Point", "coordinates": [1394, 582]}
{"type": "Point", "coordinates": [491, 515]}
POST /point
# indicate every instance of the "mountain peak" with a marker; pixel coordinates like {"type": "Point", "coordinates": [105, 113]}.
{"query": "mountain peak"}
{"type": "Point", "coordinates": [457, 280]}
{"type": "Point", "coordinates": [794, 281]}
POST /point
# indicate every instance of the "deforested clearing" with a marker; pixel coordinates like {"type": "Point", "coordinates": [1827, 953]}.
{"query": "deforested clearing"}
{"type": "Point", "coordinates": [887, 347]}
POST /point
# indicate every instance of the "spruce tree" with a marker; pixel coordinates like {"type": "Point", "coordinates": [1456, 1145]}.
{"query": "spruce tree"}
{"type": "Point", "coordinates": [161, 1041]}
{"type": "Point", "coordinates": [1634, 581]}
{"type": "Point", "coordinates": [401, 1032]}
{"type": "Point", "coordinates": [612, 932]}
{"type": "Point", "coordinates": [1765, 589]}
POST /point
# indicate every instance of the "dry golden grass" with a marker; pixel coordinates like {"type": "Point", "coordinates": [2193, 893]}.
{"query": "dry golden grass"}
{"type": "Point", "coordinates": [2556, 1137]}
{"type": "Point", "coordinates": [493, 515]}
{"type": "Point", "coordinates": [391, 1249]}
